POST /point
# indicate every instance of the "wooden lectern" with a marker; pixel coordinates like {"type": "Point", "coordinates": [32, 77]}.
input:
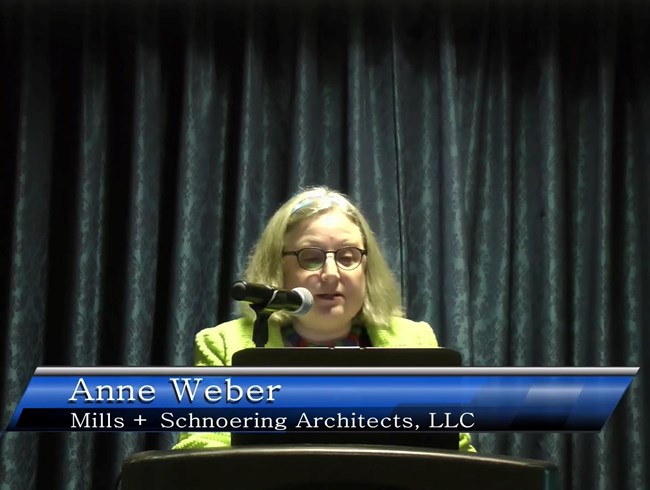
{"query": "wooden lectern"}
{"type": "Point", "coordinates": [338, 467]}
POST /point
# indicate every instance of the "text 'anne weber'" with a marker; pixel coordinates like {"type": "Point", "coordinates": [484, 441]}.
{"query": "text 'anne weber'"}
{"type": "Point", "coordinates": [184, 390]}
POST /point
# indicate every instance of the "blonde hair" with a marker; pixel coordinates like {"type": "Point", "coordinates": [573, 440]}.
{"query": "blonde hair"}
{"type": "Point", "coordinates": [382, 299]}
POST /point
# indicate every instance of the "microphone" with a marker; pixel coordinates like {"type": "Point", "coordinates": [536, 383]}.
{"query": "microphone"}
{"type": "Point", "coordinates": [298, 301]}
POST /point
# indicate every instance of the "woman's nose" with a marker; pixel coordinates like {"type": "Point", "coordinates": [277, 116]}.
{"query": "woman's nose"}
{"type": "Point", "coordinates": [330, 267]}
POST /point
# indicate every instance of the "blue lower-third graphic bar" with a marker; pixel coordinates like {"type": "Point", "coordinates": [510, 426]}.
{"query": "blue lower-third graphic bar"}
{"type": "Point", "coordinates": [321, 399]}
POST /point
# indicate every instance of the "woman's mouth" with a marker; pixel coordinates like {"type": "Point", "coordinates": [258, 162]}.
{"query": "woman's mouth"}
{"type": "Point", "coordinates": [329, 296]}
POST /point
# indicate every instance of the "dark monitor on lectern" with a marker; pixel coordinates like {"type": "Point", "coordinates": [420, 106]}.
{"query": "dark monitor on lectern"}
{"type": "Point", "coordinates": [349, 357]}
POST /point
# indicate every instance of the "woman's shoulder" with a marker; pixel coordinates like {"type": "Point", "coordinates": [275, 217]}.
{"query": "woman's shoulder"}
{"type": "Point", "coordinates": [402, 332]}
{"type": "Point", "coordinates": [238, 326]}
{"type": "Point", "coordinates": [216, 345]}
{"type": "Point", "coordinates": [229, 337]}
{"type": "Point", "coordinates": [400, 322]}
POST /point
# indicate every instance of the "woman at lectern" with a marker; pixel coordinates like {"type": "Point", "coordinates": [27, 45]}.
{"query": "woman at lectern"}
{"type": "Point", "coordinates": [320, 241]}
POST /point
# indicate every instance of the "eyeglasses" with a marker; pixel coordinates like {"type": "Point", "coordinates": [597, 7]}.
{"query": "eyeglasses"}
{"type": "Point", "coordinates": [313, 259]}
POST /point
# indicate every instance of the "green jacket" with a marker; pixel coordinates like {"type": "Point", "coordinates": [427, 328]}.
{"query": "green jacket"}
{"type": "Point", "coordinates": [215, 346]}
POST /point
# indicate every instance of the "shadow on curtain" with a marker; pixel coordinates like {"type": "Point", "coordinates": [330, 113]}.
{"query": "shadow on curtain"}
{"type": "Point", "coordinates": [499, 149]}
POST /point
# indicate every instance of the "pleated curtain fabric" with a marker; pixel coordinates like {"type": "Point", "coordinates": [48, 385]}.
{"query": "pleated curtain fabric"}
{"type": "Point", "coordinates": [500, 151]}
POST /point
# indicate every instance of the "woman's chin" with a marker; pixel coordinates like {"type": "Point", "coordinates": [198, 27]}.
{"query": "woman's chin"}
{"type": "Point", "coordinates": [333, 316]}
{"type": "Point", "coordinates": [329, 321]}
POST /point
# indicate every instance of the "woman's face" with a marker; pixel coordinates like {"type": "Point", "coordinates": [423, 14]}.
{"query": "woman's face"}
{"type": "Point", "coordinates": [338, 294]}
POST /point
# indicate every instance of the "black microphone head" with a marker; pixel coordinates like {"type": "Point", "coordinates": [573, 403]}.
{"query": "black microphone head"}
{"type": "Point", "coordinates": [298, 301]}
{"type": "Point", "coordinates": [307, 301]}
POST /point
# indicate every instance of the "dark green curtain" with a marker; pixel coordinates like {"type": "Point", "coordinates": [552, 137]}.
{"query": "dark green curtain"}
{"type": "Point", "coordinates": [501, 151]}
